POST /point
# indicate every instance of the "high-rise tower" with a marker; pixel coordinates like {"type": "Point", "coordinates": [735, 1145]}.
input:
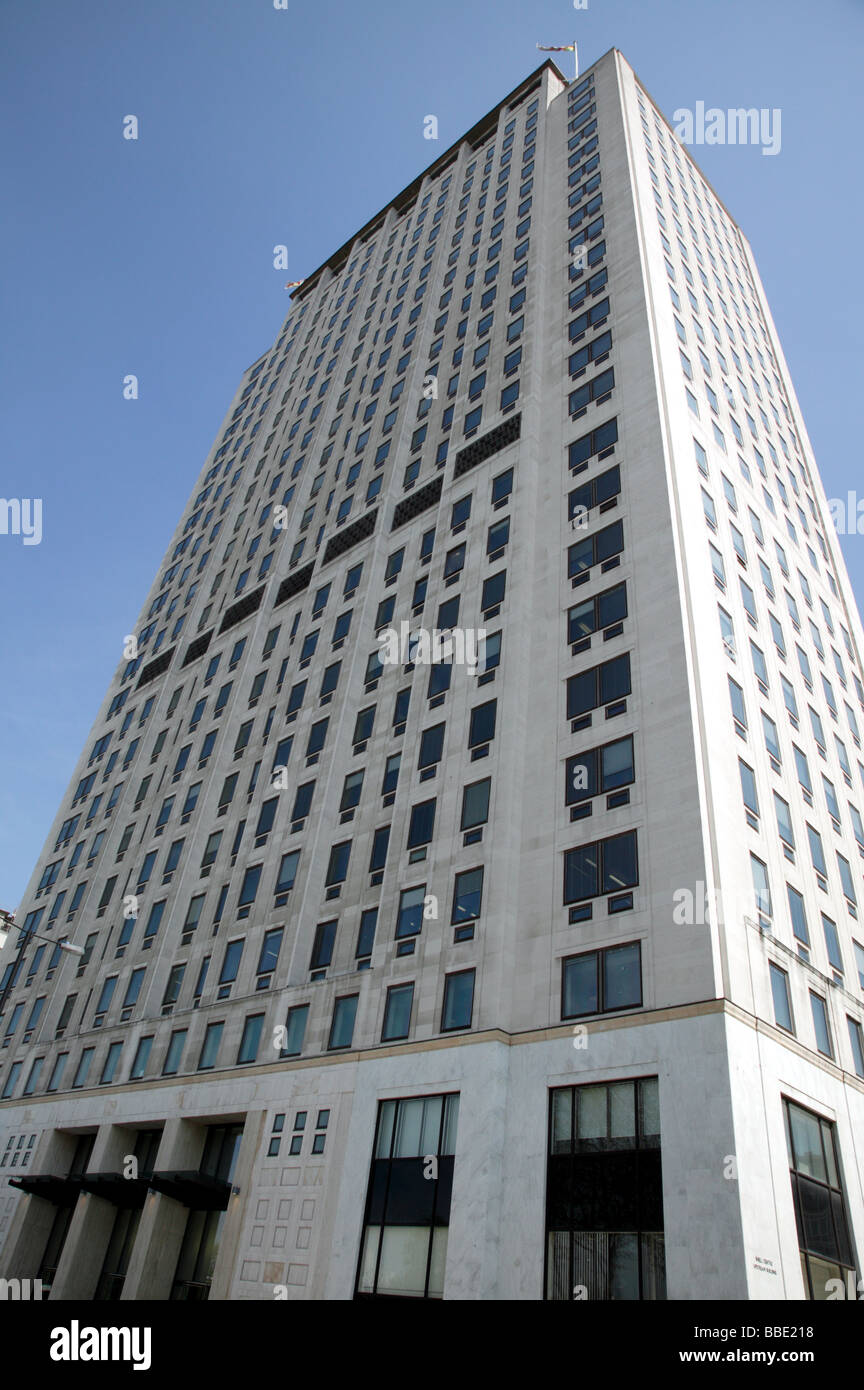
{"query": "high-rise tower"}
{"type": "Point", "coordinates": [537, 975]}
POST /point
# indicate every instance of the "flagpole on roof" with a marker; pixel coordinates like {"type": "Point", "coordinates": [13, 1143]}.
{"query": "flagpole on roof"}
{"type": "Point", "coordinates": [563, 48]}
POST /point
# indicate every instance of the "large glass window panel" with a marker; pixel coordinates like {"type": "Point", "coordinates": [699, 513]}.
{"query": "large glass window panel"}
{"type": "Point", "coordinates": [421, 824]}
{"type": "Point", "coordinates": [604, 1215]}
{"type": "Point", "coordinates": [820, 1207]}
{"type": "Point", "coordinates": [174, 1053]}
{"type": "Point", "coordinates": [410, 919]}
{"type": "Point", "coordinates": [251, 1039]}
{"type": "Point", "coordinates": [475, 804]}
{"type": "Point", "coordinates": [467, 895]}
{"type": "Point", "coordinates": [620, 869]}
{"type": "Point", "coordinates": [397, 1012]}
{"type": "Point", "coordinates": [342, 1026]}
{"type": "Point", "coordinates": [780, 996]}
{"type": "Point", "coordinates": [322, 945]}
{"type": "Point", "coordinates": [404, 1245]}
{"type": "Point", "coordinates": [617, 764]}
{"type": "Point", "coordinates": [458, 1001]}
{"type": "Point", "coordinates": [821, 1025]}
{"type": "Point", "coordinates": [210, 1048]}
{"type": "Point", "coordinates": [582, 872]}
{"type": "Point", "coordinates": [622, 978]}
{"type": "Point", "coordinates": [295, 1030]}
{"type": "Point", "coordinates": [581, 993]}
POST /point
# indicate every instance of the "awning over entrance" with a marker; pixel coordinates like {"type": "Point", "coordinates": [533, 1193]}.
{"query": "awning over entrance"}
{"type": "Point", "coordinates": [194, 1189]}
{"type": "Point", "coordinates": [123, 1192]}
{"type": "Point", "coordinates": [63, 1192]}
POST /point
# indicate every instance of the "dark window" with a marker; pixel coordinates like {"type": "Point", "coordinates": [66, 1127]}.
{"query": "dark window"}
{"type": "Point", "coordinates": [422, 823]}
{"type": "Point", "coordinates": [820, 1208]}
{"type": "Point", "coordinates": [599, 982]}
{"type": "Point", "coordinates": [482, 724]}
{"type": "Point", "coordinates": [337, 868]}
{"type": "Point", "coordinates": [391, 774]}
{"type": "Point", "coordinates": [467, 895]}
{"type": "Point", "coordinates": [404, 1245]}
{"type": "Point", "coordinates": [603, 437]}
{"type": "Point", "coordinates": [599, 685]}
{"type": "Point", "coordinates": [397, 1012]}
{"type": "Point", "coordinates": [363, 724]}
{"type": "Point", "coordinates": [270, 947]}
{"type": "Point", "coordinates": [267, 816]}
{"type": "Point", "coordinates": [366, 933]}
{"type": "Point", "coordinates": [287, 871]}
{"type": "Point", "coordinates": [400, 708]}
{"type": "Point", "coordinates": [596, 613]}
{"type": "Point", "coordinates": [595, 549]}
{"type": "Point", "coordinates": [502, 486]}
{"type": "Point", "coordinates": [493, 590]}
{"type": "Point", "coordinates": [431, 746]}
{"type": "Point", "coordinates": [411, 904]}
{"type": "Point", "coordinates": [210, 1047]}
{"type": "Point", "coordinates": [604, 1193]}
{"type": "Point", "coordinates": [380, 843]}
{"type": "Point", "coordinates": [606, 866]}
{"type": "Point", "coordinates": [599, 770]}
{"type": "Point", "coordinates": [342, 1026]}
{"type": "Point", "coordinates": [351, 789]}
{"type": "Point", "coordinates": [458, 1005]}
{"type": "Point", "coordinates": [322, 946]}
{"type": "Point", "coordinates": [460, 511]}
{"type": "Point", "coordinates": [251, 1039]}
{"type": "Point", "coordinates": [317, 735]}
{"type": "Point", "coordinates": [594, 493]}
{"type": "Point", "coordinates": [475, 804]}
{"type": "Point", "coordinates": [295, 1030]}
{"type": "Point", "coordinates": [249, 888]}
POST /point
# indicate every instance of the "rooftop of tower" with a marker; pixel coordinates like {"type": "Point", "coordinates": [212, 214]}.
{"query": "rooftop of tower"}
{"type": "Point", "coordinates": [477, 134]}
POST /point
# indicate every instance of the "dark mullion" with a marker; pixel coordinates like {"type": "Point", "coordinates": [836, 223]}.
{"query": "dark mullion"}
{"type": "Point", "coordinates": [434, 1198]}
{"type": "Point", "coordinates": [386, 1188]}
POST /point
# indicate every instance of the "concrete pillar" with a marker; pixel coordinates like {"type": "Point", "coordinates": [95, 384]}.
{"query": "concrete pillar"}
{"type": "Point", "coordinates": [163, 1221]}
{"type": "Point", "coordinates": [93, 1221]}
{"type": "Point", "coordinates": [226, 1258]}
{"type": "Point", "coordinates": [31, 1225]}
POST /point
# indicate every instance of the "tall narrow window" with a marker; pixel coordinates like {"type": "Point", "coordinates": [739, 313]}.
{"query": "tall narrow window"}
{"type": "Point", "coordinates": [604, 1193]}
{"type": "Point", "coordinates": [200, 1248]}
{"type": "Point", "coordinates": [404, 1246]}
{"type": "Point", "coordinates": [820, 1208]}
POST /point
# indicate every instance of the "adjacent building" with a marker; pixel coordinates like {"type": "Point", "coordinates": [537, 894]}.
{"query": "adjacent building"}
{"type": "Point", "coordinates": [528, 966]}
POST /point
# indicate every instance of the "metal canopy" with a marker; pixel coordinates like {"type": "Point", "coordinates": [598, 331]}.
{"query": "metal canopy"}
{"type": "Point", "coordinates": [123, 1192]}
{"type": "Point", "coordinates": [196, 1190]}
{"type": "Point", "coordinates": [63, 1192]}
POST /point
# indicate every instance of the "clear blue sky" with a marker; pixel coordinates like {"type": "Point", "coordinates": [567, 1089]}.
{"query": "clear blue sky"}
{"type": "Point", "coordinates": [261, 126]}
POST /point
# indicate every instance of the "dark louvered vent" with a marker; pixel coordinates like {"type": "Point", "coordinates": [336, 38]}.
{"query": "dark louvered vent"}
{"type": "Point", "coordinates": [351, 536]}
{"type": "Point", "coordinates": [241, 609]}
{"type": "Point", "coordinates": [197, 648]}
{"type": "Point", "coordinates": [294, 584]}
{"type": "Point", "coordinates": [418, 502]}
{"type": "Point", "coordinates": [155, 668]}
{"type": "Point", "coordinates": [489, 444]}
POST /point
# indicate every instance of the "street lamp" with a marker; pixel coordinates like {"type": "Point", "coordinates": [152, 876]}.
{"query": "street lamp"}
{"type": "Point", "coordinates": [8, 924]}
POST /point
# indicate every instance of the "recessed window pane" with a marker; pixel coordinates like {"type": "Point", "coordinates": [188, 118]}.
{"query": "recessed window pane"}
{"type": "Point", "coordinates": [397, 1013]}
{"type": "Point", "coordinates": [458, 1001]}
{"type": "Point", "coordinates": [342, 1026]}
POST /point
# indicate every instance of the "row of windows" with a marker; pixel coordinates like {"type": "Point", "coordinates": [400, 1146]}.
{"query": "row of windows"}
{"type": "Point", "coordinates": [426, 268]}
{"type": "Point", "coordinates": [820, 1017]}
{"type": "Point", "coordinates": [456, 1014]}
